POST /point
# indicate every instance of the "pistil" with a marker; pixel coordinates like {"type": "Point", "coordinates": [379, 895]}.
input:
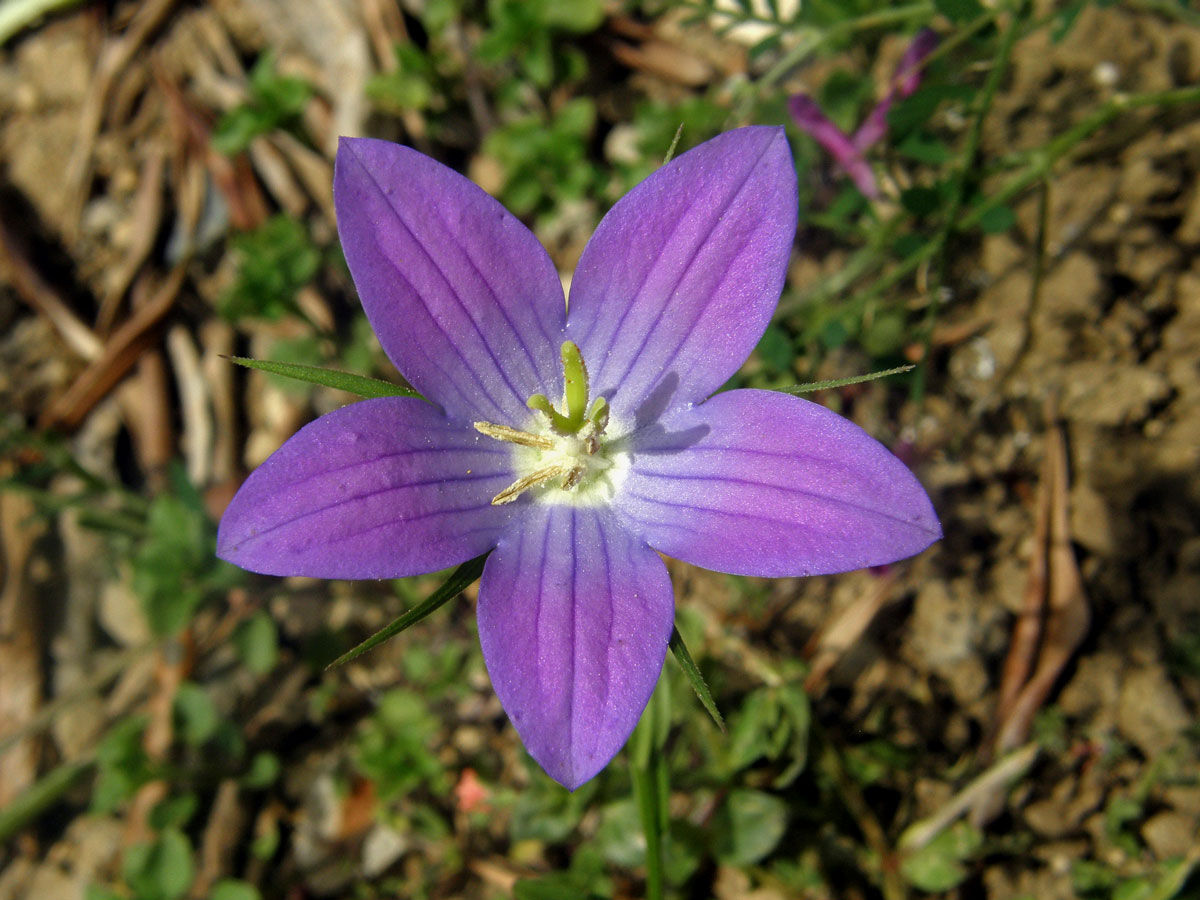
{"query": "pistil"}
{"type": "Point", "coordinates": [572, 439]}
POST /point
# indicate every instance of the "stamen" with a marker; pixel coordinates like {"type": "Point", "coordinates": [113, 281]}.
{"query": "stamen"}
{"type": "Point", "coordinates": [513, 436]}
{"type": "Point", "coordinates": [533, 479]}
{"type": "Point", "coordinates": [570, 443]}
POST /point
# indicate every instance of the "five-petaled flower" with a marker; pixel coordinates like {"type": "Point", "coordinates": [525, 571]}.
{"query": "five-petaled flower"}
{"type": "Point", "coordinates": [848, 150]}
{"type": "Point", "coordinates": [573, 500]}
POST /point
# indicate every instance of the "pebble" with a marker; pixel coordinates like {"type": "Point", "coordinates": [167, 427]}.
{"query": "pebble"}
{"type": "Point", "coordinates": [1149, 711]}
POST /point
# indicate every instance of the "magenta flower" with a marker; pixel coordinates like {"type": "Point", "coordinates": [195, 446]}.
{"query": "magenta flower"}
{"type": "Point", "coordinates": [671, 295]}
{"type": "Point", "coordinates": [848, 151]}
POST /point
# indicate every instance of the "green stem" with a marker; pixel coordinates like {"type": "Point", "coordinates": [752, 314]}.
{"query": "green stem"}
{"type": "Point", "coordinates": [648, 772]}
{"type": "Point", "coordinates": [878, 19]}
{"type": "Point", "coordinates": [1041, 162]}
{"type": "Point", "coordinates": [959, 189]}
{"type": "Point", "coordinates": [645, 792]}
{"type": "Point", "coordinates": [24, 809]}
{"type": "Point", "coordinates": [891, 885]}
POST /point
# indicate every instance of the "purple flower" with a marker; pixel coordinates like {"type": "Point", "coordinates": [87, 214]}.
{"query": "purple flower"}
{"type": "Point", "coordinates": [848, 150]}
{"type": "Point", "coordinates": [672, 293]}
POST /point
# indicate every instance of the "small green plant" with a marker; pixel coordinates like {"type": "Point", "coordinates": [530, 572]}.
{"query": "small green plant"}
{"type": "Point", "coordinates": [273, 263]}
{"type": "Point", "coordinates": [275, 100]}
{"type": "Point", "coordinates": [545, 159]}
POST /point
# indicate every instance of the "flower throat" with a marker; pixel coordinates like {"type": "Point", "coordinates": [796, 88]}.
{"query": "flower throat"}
{"type": "Point", "coordinates": [566, 446]}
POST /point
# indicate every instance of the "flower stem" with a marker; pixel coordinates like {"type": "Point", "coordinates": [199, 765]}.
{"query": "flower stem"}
{"type": "Point", "coordinates": [648, 772]}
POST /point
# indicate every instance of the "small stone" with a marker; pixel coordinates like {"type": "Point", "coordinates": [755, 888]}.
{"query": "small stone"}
{"type": "Point", "coordinates": [1169, 834]}
{"type": "Point", "coordinates": [1103, 394]}
{"type": "Point", "coordinates": [1150, 712]}
{"type": "Point", "coordinates": [382, 847]}
{"type": "Point", "coordinates": [1075, 286]}
{"type": "Point", "coordinates": [1094, 687]}
{"type": "Point", "coordinates": [1094, 526]}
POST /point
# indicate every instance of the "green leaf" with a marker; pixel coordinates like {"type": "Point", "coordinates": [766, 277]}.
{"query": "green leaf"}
{"type": "Point", "coordinates": [460, 579]}
{"type": "Point", "coordinates": [750, 730]}
{"type": "Point", "coordinates": [264, 770]}
{"type": "Point", "coordinates": [274, 261]}
{"type": "Point", "coordinates": [748, 826]}
{"type": "Point", "coordinates": [555, 886]}
{"type": "Point", "coordinates": [997, 220]}
{"type": "Point", "coordinates": [886, 333]}
{"type": "Point", "coordinates": [238, 127]}
{"type": "Point", "coordinates": [959, 11]}
{"type": "Point", "coordinates": [257, 642]}
{"type": "Point", "coordinates": [797, 711]}
{"type": "Point", "coordinates": [196, 717]}
{"type": "Point", "coordinates": [160, 869]}
{"type": "Point", "coordinates": [776, 350]}
{"type": "Point", "coordinates": [173, 812]}
{"type": "Point", "coordinates": [24, 808]}
{"type": "Point", "coordinates": [920, 200]}
{"type": "Point", "coordinates": [274, 100]}
{"type": "Point", "coordinates": [938, 866]}
{"type": "Point", "coordinates": [232, 889]}
{"type": "Point", "coordinates": [342, 381]}
{"type": "Point", "coordinates": [798, 389]}
{"type": "Point", "coordinates": [692, 671]}
{"type": "Point", "coordinates": [170, 565]}
{"type": "Point", "coordinates": [619, 835]}
{"type": "Point", "coordinates": [395, 750]}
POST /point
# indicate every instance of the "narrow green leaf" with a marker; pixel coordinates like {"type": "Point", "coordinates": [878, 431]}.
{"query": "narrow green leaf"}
{"type": "Point", "coordinates": [842, 382]}
{"type": "Point", "coordinates": [460, 579]}
{"type": "Point", "coordinates": [674, 144]}
{"type": "Point", "coordinates": [679, 648]}
{"type": "Point", "coordinates": [38, 797]}
{"type": "Point", "coordinates": [343, 381]}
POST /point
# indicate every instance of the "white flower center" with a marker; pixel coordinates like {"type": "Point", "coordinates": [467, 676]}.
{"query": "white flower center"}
{"type": "Point", "coordinates": [577, 457]}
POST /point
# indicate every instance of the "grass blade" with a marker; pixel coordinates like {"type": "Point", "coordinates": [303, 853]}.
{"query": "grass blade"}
{"type": "Point", "coordinates": [460, 579]}
{"type": "Point", "coordinates": [343, 381]}
{"type": "Point", "coordinates": [796, 389]}
{"type": "Point", "coordinates": [679, 648]}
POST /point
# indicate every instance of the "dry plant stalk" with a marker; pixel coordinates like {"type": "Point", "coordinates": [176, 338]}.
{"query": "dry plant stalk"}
{"type": "Point", "coordinates": [121, 353]}
{"type": "Point", "coordinates": [1054, 589]}
{"type": "Point", "coordinates": [828, 645]}
{"type": "Point", "coordinates": [20, 647]}
{"type": "Point", "coordinates": [1068, 613]}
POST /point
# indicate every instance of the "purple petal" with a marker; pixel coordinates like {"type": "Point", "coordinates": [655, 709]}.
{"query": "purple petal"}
{"type": "Point", "coordinates": [849, 158]}
{"type": "Point", "coordinates": [681, 277]}
{"type": "Point", "coordinates": [904, 83]}
{"type": "Point", "coordinates": [378, 489]}
{"type": "Point", "coordinates": [761, 483]}
{"type": "Point", "coordinates": [574, 619]}
{"type": "Point", "coordinates": [908, 72]}
{"type": "Point", "coordinates": [464, 299]}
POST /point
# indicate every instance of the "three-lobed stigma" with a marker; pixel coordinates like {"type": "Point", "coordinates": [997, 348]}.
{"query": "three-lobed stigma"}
{"type": "Point", "coordinates": [567, 446]}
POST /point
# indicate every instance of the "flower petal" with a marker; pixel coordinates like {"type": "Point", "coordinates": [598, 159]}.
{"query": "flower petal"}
{"type": "Point", "coordinates": [378, 489]}
{"type": "Point", "coordinates": [761, 483]}
{"type": "Point", "coordinates": [574, 619]}
{"type": "Point", "coordinates": [681, 277]}
{"type": "Point", "coordinates": [845, 153]}
{"type": "Point", "coordinates": [463, 297]}
{"type": "Point", "coordinates": [904, 84]}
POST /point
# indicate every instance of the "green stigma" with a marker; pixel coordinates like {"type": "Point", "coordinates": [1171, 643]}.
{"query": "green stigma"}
{"type": "Point", "coordinates": [575, 397]}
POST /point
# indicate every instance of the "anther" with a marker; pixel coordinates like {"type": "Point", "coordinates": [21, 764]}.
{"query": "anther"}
{"type": "Point", "coordinates": [513, 436]}
{"type": "Point", "coordinates": [533, 479]}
